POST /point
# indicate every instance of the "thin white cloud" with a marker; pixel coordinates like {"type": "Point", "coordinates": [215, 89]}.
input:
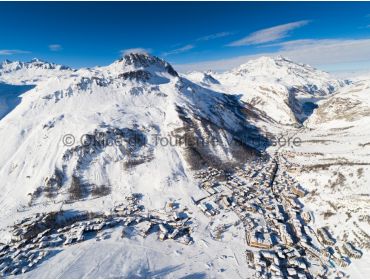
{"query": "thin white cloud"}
{"type": "Point", "coordinates": [55, 47]}
{"type": "Point", "coordinates": [135, 50]}
{"type": "Point", "coordinates": [214, 36]}
{"type": "Point", "coordinates": [325, 53]}
{"type": "Point", "coordinates": [192, 45]}
{"type": "Point", "coordinates": [328, 51]}
{"type": "Point", "coordinates": [267, 35]}
{"type": "Point", "coordinates": [294, 45]}
{"type": "Point", "coordinates": [180, 50]}
{"type": "Point", "coordinates": [11, 52]}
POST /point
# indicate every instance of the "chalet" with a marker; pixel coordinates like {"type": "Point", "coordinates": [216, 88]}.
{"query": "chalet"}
{"type": "Point", "coordinates": [275, 269]}
{"type": "Point", "coordinates": [259, 239]}
{"type": "Point", "coordinates": [176, 216]}
{"type": "Point", "coordinates": [241, 200]}
{"type": "Point", "coordinates": [250, 257]}
{"type": "Point", "coordinates": [218, 188]}
{"type": "Point", "coordinates": [292, 202]}
{"type": "Point", "coordinates": [268, 255]}
{"type": "Point", "coordinates": [174, 234]}
{"type": "Point", "coordinates": [310, 249]}
{"type": "Point", "coordinates": [306, 216]}
{"type": "Point", "coordinates": [324, 237]}
{"type": "Point", "coordinates": [210, 190]}
{"type": "Point", "coordinates": [163, 229]}
{"type": "Point", "coordinates": [226, 201]}
{"type": "Point", "coordinates": [351, 251]}
{"type": "Point", "coordinates": [297, 263]}
{"type": "Point", "coordinates": [207, 209]}
{"type": "Point", "coordinates": [341, 261]}
{"type": "Point", "coordinates": [297, 227]}
{"type": "Point", "coordinates": [270, 207]}
{"type": "Point", "coordinates": [285, 235]}
{"type": "Point", "coordinates": [298, 191]}
{"type": "Point", "coordinates": [143, 228]}
{"type": "Point", "coordinates": [233, 184]}
{"type": "Point", "coordinates": [292, 272]}
{"type": "Point", "coordinates": [202, 207]}
{"type": "Point", "coordinates": [15, 271]}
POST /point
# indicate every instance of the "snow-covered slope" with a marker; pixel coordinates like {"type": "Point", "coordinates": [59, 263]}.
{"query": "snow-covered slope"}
{"type": "Point", "coordinates": [349, 105]}
{"type": "Point", "coordinates": [285, 90]}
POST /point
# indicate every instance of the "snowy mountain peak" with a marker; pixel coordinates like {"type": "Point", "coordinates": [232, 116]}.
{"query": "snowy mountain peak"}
{"type": "Point", "coordinates": [36, 60]}
{"type": "Point", "coordinates": [265, 63]}
{"type": "Point", "coordinates": [140, 59]}
{"type": "Point", "coordinates": [144, 60]}
{"type": "Point", "coordinates": [296, 76]}
{"type": "Point", "coordinates": [140, 66]}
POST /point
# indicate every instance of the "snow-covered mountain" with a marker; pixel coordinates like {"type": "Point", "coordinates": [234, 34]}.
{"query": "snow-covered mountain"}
{"type": "Point", "coordinates": [139, 95]}
{"type": "Point", "coordinates": [112, 157]}
{"type": "Point", "coordinates": [348, 105]}
{"type": "Point", "coordinates": [31, 72]}
{"type": "Point", "coordinates": [301, 77]}
{"type": "Point", "coordinates": [285, 90]}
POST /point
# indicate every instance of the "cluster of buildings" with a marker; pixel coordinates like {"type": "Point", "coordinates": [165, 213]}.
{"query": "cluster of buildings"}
{"type": "Point", "coordinates": [280, 239]}
{"type": "Point", "coordinates": [35, 238]}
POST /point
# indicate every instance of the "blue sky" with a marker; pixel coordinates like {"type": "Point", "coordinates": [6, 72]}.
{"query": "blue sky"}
{"type": "Point", "coordinates": [191, 35]}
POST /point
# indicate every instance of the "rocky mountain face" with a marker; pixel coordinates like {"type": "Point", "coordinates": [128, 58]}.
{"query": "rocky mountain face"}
{"type": "Point", "coordinates": [140, 62]}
